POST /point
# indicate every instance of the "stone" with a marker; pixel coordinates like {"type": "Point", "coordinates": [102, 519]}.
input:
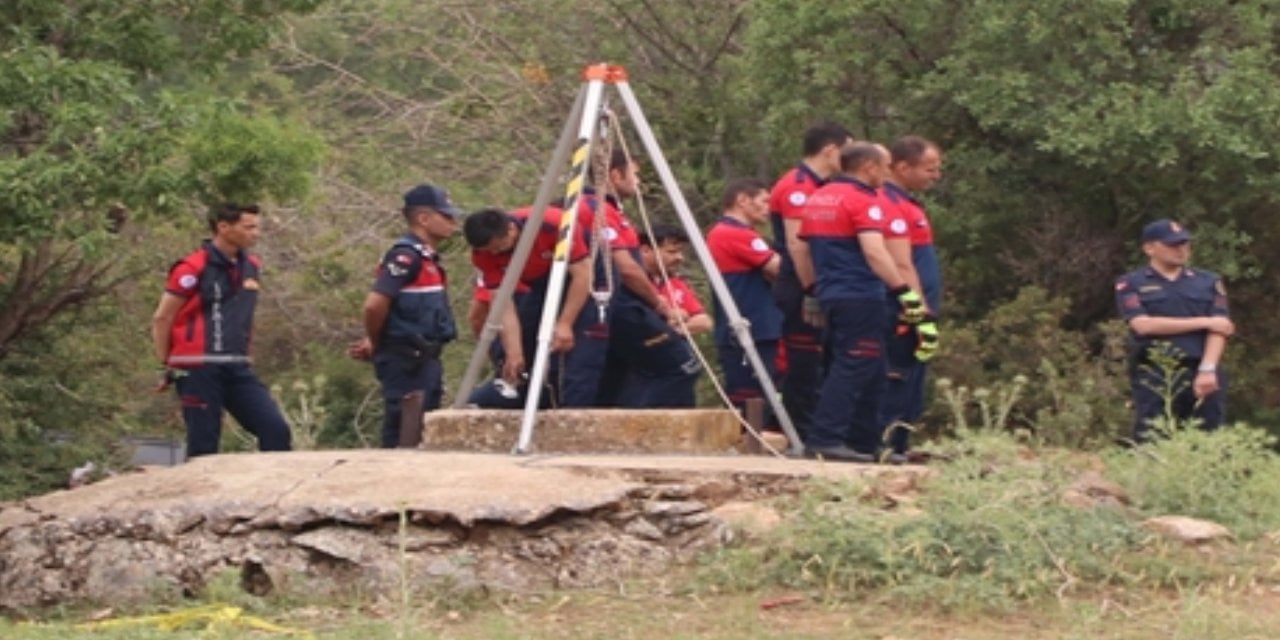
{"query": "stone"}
{"type": "Point", "coordinates": [585, 430]}
{"type": "Point", "coordinates": [1188, 530]}
{"type": "Point", "coordinates": [1090, 490]}
{"type": "Point", "coordinates": [751, 518]}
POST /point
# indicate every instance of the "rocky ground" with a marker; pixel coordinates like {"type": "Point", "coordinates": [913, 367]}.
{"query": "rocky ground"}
{"type": "Point", "coordinates": [368, 519]}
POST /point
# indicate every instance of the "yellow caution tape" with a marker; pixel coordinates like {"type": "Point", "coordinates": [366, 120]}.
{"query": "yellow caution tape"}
{"type": "Point", "coordinates": [212, 616]}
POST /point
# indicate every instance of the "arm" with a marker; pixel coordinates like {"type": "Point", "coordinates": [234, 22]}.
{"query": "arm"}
{"type": "Point", "coordinates": [771, 267]}
{"type": "Point", "coordinates": [796, 247]}
{"type": "Point", "coordinates": [633, 277]}
{"type": "Point", "coordinates": [900, 251]}
{"type": "Point", "coordinates": [698, 324]}
{"type": "Point", "coordinates": [162, 323]}
{"type": "Point", "coordinates": [1145, 325]}
{"type": "Point", "coordinates": [476, 315]}
{"type": "Point", "coordinates": [512, 345]}
{"type": "Point", "coordinates": [376, 309]}
{"type": "Point", "coordinates": [879, 260]}
{"type": "Point", "coordinates": [804, 264]}
{"type": "Point", "coordinates": [574, 299]}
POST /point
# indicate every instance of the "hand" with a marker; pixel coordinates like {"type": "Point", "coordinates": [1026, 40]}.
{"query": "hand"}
{"type": "Point", "coordinates": [811, 312]}
{"type": "Point", "coordinates": [913, 308]}
{"type": "Point", "coordinates": [1218, 324]}
{"type": "Point", "coordinates": [927, 347]}
{"type": "Point", "coordinates": [361, 349]}
{"type": "Point", "coordinates": [170, 376]}
{"type": "Point", "coordinates": [513, 368]}
{"type": "Point", "coordinates": [562, 338]}
{"type": "Point", "coordinates": [1206, 383]}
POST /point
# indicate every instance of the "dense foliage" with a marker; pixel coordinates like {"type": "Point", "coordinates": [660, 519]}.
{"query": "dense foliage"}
{"type": "Point", "coordinates": [1066, 126]}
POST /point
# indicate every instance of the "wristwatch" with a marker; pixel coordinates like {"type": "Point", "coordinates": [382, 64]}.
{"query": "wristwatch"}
{"type": "Point", "coordinates": [1207, 368]}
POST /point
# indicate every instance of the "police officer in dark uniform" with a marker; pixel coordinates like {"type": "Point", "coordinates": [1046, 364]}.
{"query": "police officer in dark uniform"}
{"type": "Point", "coordinates": [407, 318]}
{"type": "Point", "coordinates": [201, 332]}
{"type": "Point", "coordinates": [1180, 313]}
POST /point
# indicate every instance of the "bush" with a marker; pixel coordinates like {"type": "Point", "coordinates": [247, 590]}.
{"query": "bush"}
{"type": "Point", "coordinates": [991, 529]}
{"type": "Point", "coordinates": [1230, 476]}
{"type": "Point", "coordinates": [1073, 386]}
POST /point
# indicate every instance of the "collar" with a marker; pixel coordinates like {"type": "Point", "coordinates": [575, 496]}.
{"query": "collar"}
{"type": "Point", "coordinates": [803, 171]}
{"type": "Point", "coordinates": [1184, 272]}
{"type": "Point", "coordinates": [848, 179]}
{"type": "Point", "coordinates": [897, 192]}
{"type": "Point", "coordinates": [732, 221]}
{"type": "Point", "coordinates": [220, 258]}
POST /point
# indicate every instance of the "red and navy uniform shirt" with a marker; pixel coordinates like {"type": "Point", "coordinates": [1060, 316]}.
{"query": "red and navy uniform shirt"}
{"type": "Point", "coordinates": [740, 254]}
{"type": "Point", "coordinates": [786, 202]}
{"type": "Point", "coordinates": [618, 233]}
{"type": "Point", "coordinates": [923, 255]}
{"type": "Point", "coordinates": [680, 295]}
{"type": "Point", "coordinates": [493, 266]}
{"type": "Point", "coordinates": [1193, 294]}
{"type": "Point", "coordinates": [411, 275]}
{"type": "Point", "coordinates": [215, 324]}
{"type": "Point", "coordinates": [836, 215]}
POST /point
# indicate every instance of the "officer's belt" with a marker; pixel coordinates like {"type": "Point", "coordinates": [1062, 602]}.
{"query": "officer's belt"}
{"type": "Point", "coordinates": [424, 348]}
{"type": "Point", "coordinates": [211, 358]}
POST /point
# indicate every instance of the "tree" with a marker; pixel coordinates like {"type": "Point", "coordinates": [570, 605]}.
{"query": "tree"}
{"type": "Point", "coordinates": [104, 123]}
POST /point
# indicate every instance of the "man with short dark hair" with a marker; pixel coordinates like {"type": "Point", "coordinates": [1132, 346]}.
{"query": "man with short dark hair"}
{"type": "Point", "coordinates": [201, 332]}
{"type": "Point", "coordinates": [407, 318]}
{"type": "Point", "coordinates": [749, 266]}
{"type": "Point", "coordinates": [666, 248]}
{"type": "Point", "coordinates": [642, 346]}
{"type": "Point", "coordinates": [493, 234]}
{"type": "Point", "coordinates": [801, 341]}
{"type": "Point", "coordinates": [915, 165]}
{"type": "Point", "coordinates": [844, 231]}
{"type": "Point", "coordinates": [1178, 318]}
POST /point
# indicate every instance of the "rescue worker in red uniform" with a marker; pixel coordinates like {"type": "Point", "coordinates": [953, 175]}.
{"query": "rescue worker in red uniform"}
{"type": "Point", "coordinates": [201, 332]}
{"type": "Point", "coordinates": [647, 363]}
{"type": "Point", "coordinates": [407, 318]}
{"type": "Point", "coordinates": [844, 231]}
{"type": "Point", "coordinates": [492, 235]}
{"type": "Point", "coordinates": [915, 166]}
{"type": "Point", "coordinates": [801, 347]}
{"type": "Point", "coordinates": [749, 266]}
{"type": "Point", "coordinates": [666, 247]}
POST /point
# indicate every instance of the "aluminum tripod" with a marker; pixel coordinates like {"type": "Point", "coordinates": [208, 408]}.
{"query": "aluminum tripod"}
{"type": "Point", "coordinates": [586, 114]}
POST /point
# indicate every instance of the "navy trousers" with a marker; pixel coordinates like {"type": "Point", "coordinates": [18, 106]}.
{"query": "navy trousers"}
{"type": "Point", "coordinates": [208, 389]}
{"type": "Point", "coordinates": [1148, 388]}
{"type": "Point", "coordinates": [400, 374]}
{"type": "Point", "coordinates": [803, 343]}
{"type": "Point", "coordinates": [904, 390]}
{"type": "Point", "coordinates": [848, 411]}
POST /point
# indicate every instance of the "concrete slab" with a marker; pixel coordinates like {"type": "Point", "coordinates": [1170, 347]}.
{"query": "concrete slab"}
{"type": "Point", "coordinates": [686, 431]}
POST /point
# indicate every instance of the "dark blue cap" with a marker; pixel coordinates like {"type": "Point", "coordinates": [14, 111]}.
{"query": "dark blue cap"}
{"type": "Point", "coordinates": [427, 195]}
{"type": "Point", "coordinates": [1165, 231]}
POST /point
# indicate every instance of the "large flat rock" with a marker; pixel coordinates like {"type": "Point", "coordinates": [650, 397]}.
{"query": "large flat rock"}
{"type": "Point", "coordinates": [688, 431]}
{"type": "Point", "coordinates": [368, 519]}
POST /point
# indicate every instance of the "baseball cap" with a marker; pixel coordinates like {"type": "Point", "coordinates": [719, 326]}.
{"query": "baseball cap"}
{"type": "Point", "coordinates": [1165, 231]}
{"type": "Point", "coordinates": [428, 195]}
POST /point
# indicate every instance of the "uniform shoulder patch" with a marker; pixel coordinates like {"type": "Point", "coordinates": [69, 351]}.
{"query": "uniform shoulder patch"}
{"type": "Point", "coordinates": [759, 245]}
{"type": "Point", "coordinates": [875, 213]}
{"type": "Point", "coordinates": [797, 198]}
{"type": "Point", "coordinates": [187, 282]}
{"type": "Point", "coordinates": [898, 226]}
{"type": "Point", "coordinates": [1220, 288]}
{"type": "Point", "coordinates": [1121, 285]}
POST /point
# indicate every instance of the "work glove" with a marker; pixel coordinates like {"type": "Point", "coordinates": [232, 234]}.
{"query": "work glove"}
{"type": "Point", "coordinates": [169, 376]}
{"type": "Point", "coordinates": [811, 311]}
{"type": "Point", "coordinates": [927, 335]}
{"type": "Point", "coordinates": [912, 305]}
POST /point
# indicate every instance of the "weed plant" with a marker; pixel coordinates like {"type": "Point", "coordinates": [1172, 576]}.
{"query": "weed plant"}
{"type": "Point", "coordinates": [990, 530]}
{"type": "Point", "coordinates": [1230, 476]}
